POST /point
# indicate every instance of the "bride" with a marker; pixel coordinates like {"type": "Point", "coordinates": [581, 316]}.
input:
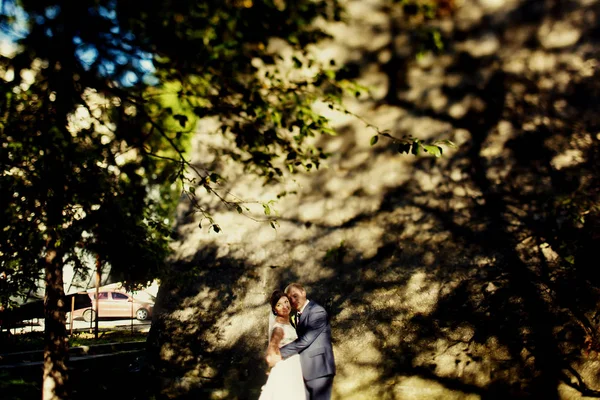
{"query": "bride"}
{"type": "Point", "coordinates": [285, 379]}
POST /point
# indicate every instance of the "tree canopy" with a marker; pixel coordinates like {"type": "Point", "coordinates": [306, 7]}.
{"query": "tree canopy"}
{"type": "Point", "coordinates": [99, 100]}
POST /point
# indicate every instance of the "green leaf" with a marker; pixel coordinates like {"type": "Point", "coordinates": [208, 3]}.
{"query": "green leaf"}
{"type": "Point", "coordinates": [437, 40]}
{"type": "Point", "coordinates": [329, 131]}
{"type": "Point", "coordinates": [446, 142]}
{"type": "Point", "coordinates": [297, 62]}
{"type": "Point", "coordinates": [570, 259]}
{"type": "Point", "coordinates": [433, 150]}
{"type": "Point", "coordinates": [214, 177]}
{"type": "Point", "coordinates": [415, 148]}
{"type": "Point", "coordinates": [181, 118]}
{"type": "Point", "coordinates": [374, 140]}
{"type": "Point", "coordinates": [404, 148]}
{"type": "Point", "coordinates": [276, 118]}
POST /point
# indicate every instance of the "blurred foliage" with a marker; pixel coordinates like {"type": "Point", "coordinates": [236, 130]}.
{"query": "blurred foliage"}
{"type": "Point", "coordinates": [421, 16]}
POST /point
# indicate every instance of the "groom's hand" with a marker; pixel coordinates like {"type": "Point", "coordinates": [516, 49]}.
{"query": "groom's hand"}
{"type": "Point", "coordinates": [273, 359]}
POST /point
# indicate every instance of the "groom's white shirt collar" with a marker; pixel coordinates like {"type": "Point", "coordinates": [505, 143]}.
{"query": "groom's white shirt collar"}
{"type": "Point", "coordinates": [305, 304]}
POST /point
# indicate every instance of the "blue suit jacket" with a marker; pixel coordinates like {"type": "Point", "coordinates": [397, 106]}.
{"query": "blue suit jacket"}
{"type": "Point", "coordinates": [313, 343]}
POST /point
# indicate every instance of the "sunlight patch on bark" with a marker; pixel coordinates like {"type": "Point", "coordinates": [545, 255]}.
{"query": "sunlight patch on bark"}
{"type": "Point", "coordinates": [568, 158]}
{"type": "Point", "coordinates": [558, 34]}
{"type": "Point", "coordinates": [481, 47]}
{"type": "Point", "coordinates": [420, 294]}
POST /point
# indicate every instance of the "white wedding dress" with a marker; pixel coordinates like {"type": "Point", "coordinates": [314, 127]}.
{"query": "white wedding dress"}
{"type": "Point", "coordinates": [285, 380]}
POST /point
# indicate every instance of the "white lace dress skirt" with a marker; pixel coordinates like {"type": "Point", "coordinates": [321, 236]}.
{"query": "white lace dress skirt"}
{"type": "Point", "coordinates": [285, 380]}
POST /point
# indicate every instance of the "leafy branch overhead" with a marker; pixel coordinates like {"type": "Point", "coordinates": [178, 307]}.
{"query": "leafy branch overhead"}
{"type": "Point", "coordinates": [99, 105]}
{"type": "Point", "coordinates": [128, 76]}
{"type": "Point", "coordinates": [412, 145]}
{"type": "Point", "coordinates": [100, 102]}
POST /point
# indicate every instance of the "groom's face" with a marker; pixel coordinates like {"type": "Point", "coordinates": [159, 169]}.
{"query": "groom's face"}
{"type": "Point", "coordinates": [297, 297]}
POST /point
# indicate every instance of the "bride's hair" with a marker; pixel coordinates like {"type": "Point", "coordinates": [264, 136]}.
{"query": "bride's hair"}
{"type": "Point", "coordinates": [275, 296]}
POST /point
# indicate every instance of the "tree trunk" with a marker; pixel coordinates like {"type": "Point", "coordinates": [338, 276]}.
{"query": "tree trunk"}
{"type": "Point", "coordinates": [56, 349]}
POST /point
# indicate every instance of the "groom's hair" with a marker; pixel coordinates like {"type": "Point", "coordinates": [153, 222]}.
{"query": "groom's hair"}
{"type": "Point", "coordinates": [295, 285]}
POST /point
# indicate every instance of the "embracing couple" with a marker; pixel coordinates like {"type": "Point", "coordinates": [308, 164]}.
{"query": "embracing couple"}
{"type": "Point", "coordinates": [300, 351]}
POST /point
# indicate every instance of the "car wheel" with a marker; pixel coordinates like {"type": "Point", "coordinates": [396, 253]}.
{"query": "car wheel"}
{"type": "Point", "coordinates": [89, 315]}
{"type": "Point", "coordinates": [141, 314]}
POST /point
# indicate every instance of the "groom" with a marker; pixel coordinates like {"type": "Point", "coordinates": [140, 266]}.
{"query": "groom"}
{"type": "Point", "coordinates": [313, 344]}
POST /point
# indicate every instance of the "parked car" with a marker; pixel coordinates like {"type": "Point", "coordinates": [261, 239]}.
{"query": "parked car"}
{"type": "Point", "coordinates": [114, 304]}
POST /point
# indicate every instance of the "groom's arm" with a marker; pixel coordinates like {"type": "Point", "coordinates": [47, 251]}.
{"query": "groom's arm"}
{"type": "Point", "coordinates": [318, 324]}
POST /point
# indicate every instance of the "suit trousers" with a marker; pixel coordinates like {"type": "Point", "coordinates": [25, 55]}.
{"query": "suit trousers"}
{"type": "Point", "coordinates": [319, 388]}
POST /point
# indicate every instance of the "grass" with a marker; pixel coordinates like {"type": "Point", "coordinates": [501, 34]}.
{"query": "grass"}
{"type": "Point", "coordinates": [35, 340]}
{"type": "Point", "coordinates": [17, 387]}
{"type": "Point", "coordinates": [111, 378]}
{"type": "Point", "coordinates": [108, 379]}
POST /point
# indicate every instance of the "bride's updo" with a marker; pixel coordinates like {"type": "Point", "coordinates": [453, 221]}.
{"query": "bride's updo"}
{"type": "Point", "coordinates": [277, 294]}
